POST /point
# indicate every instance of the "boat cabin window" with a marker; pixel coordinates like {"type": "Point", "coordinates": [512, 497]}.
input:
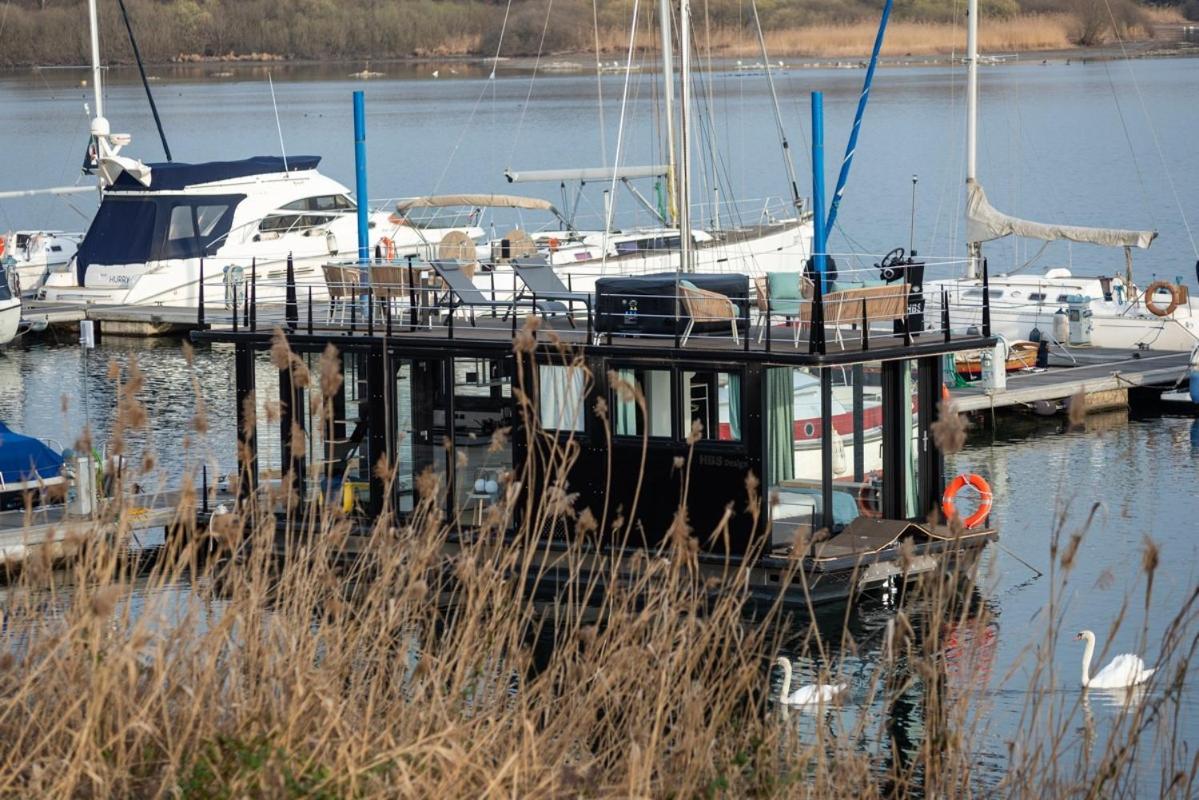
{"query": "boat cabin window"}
{"type": "Point", "coordinates": [650, 387]}
{"type": "Point", "coordinates": [561, 394]}
{"type": "Point", "coordinates": [328, 202]}
{"type": "Point", "coordinates": [651, 244]}
{"type": "Point", "coordinates": [1036, 297]}
{"type": "Point", "coordinates": [713, 399]}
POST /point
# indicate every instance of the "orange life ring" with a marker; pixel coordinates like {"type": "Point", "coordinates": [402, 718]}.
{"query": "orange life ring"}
{"type": "Point", "coordinates": [986, 499]}
{"type": "Point", "coordinates": [2, 244]}
{"type": "Point", "coordinates": [1152, 305]}
{"type": "Point", "coordinates": [554, 245]}
{"type": "Point", "coordinates": [389, 248]}
{"type": "Point", "coordinates": [868, 502]}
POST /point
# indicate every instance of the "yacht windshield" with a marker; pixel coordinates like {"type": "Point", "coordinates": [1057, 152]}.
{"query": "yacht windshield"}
{"type": "Point", "coordinates": [134, 230]}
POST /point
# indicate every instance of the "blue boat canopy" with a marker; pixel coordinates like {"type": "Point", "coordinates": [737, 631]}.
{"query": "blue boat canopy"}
{"type": "Point", "coordinates": [177, 175]}
{"type": "Point", "coordinates": [23, 458]}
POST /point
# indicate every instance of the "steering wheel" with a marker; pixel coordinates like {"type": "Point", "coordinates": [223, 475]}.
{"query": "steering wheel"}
{"type": "Point", "coordinates": [892, 258]}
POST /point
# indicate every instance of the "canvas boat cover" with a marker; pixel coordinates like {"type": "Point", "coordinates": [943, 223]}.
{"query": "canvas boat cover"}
{"type": "Point", "coordinates": [130, 175]}
{"type": "Point", "coordinates": [482, 200]}
{"type": "Point", "coordinates": [984, 223]}
{"type": "Point", "coordinates": [23, 458]}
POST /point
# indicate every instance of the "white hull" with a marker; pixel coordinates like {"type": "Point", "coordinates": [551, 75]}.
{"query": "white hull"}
{"type": "Point", "coordinates": [1112, 324]}
{"type": "Point", "coordinates": [10, 320]}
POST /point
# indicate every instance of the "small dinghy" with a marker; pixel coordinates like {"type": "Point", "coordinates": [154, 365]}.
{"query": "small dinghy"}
{"type": "Point", "coordinates": [26, 465]}
{"type": "Point", "coordinates": [1020, 355]}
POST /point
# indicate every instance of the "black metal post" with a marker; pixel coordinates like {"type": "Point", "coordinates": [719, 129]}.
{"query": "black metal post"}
{"type": "Point", "coordinates": [309, 310]}
{"type": "Point", "coordinates": [859, 423]}
{"type": "Point", "coordinates": [826, 448]}
{"type": "Point", "coordinates": [816, 343]}
{"type": "Point", "coordinates": [986, 300]}
{"type": "Point", "coordinates": [865, 328]}
{"type": "Point", "coordinates": [931, 461]}
{"type": "Point", "coordinates": [235, 315]}
{"type": "Point", "coordinates": [376, 433]}
{"type": "Point", "coordinates": [200, 302]}
{"type": "Point", "coordinates": [291, 309]}
{"type": "Point", "coordinates": [252, 306]}
{"type": "Point", "coordinates": [247, 433]}
{"type": "Point", "coordinates": [353, 315]}
{"type": "Point", "coordinates": [945, 315]}
{"type": "Point", "coordinates": [204, 488]}
{"type": "Point", "coordinates": [894, 471]}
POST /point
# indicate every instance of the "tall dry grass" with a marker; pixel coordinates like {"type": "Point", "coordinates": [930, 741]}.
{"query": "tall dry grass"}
{"type": "Point", "coordinates": [424, 665]}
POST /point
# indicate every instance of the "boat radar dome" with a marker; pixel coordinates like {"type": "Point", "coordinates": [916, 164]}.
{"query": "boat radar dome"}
{"type": "Point", "coordinates": [100, 127]}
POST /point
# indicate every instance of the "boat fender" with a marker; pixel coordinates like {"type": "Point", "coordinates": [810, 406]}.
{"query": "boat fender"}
{"type": "Point", "coordinates": [389, 248]}
{"type": "Point", "coordinates": [1151, 303]}
{"type": "Point", "coordinates": [986, 499]}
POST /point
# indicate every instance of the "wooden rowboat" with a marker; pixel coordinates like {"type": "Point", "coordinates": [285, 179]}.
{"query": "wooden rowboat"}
{"type": "Point", "coordinates": [1021, 355]}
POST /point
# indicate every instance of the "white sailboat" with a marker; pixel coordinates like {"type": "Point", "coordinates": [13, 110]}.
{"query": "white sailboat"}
{"type": "Point", "coordinates": [1099, 311]}
{"type": "Point", "coordinates": [775, 242]}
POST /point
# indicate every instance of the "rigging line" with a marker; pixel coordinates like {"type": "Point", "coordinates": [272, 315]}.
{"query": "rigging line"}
{"type": "Point", "coordinates": [524, 111]}
{"type": "Point", "coordinates": [778, 114]}
{"type": "Point", "coordinates": [141, 70]}
{"type": "Point", "coordinates": [599, 85]}
{"type": "Point", "coordinates": [489, 82]}
{"type": "Point", "coordinates": [1152, 130]}
{"type": "Point", "coordinates": [624, 99]}
{"type": "Point", "coordinates": [278, 125]}
{"type": "Point", "coordinates": [1128, 138]}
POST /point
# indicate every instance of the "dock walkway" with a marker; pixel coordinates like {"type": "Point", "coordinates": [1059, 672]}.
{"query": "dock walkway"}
{"type": "Point", "coordinates": [1093, 370]}
{"type": "Point", "coordinates": [50, 526]}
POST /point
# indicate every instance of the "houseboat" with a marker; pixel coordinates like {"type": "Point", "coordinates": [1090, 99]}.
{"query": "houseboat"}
{"type": "Point", "coordinates": [664, 393]}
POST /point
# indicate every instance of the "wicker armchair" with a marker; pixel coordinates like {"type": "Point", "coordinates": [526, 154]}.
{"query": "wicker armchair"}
{"type": "Point", "coordinates": [703, 305]}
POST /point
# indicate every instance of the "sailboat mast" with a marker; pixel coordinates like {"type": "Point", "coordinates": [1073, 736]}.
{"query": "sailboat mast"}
{"type": "Point", "coordinates": [94, 24]}
{"type": "Point", "coordinates": [684, 195]}
{"type": "Point", "coordinates": [973, 249]}
{"type": "Point", "coordinates": [664, 21]}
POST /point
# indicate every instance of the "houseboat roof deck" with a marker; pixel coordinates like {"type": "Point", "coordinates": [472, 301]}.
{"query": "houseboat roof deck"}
{"type": "Point", "coordinates": [491, 331]}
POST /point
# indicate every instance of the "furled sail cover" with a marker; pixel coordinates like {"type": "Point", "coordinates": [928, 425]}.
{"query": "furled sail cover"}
{"type": "Point", "coordinates": [484, 200]}
{"type": "Point", "coordinates": [984, 223]}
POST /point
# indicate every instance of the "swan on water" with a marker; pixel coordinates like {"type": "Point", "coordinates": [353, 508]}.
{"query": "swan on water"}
{"type": "Point", "coordinates": [1125, 669]}
{"type": "Point", "coordinates": [806, 695]}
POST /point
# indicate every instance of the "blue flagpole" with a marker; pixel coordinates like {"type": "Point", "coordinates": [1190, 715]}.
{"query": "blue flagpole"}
{"type": "Point", "coordinates": [819, 239]}
{"type": "Point", "coordinates": [360, 178]}
{"type": "Point", "coordinates": [843, 178]}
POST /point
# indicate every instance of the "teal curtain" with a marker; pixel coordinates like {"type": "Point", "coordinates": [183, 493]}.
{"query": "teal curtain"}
{"type": "Point", "coordinates": [735, 405]}
{"type": "Point", "coordinates": [626, 410]}
{"type": "Point", "coordinates": [780, 425]}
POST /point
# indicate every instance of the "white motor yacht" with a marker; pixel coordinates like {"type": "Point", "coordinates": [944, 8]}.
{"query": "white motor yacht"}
{"type": "Point", "coordinates": [29, 256]}
{"type": "Point", "coordinates": [158, 223]}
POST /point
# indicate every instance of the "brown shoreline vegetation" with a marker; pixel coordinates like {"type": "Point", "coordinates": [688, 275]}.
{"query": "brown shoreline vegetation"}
{"type": "Point", "coordinates": [38, 32]}
{"type": "Point", "coordinates": [215, 669]}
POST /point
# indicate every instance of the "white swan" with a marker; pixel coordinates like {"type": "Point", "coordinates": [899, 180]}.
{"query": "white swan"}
{"type": "Point", "coordinates": [806, 695]}
{"type": "Point", "coordinates": [1125, 669]}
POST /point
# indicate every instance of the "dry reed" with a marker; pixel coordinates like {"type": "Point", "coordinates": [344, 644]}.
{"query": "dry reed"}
{"type": "Point", "coordinates": [423, 666]}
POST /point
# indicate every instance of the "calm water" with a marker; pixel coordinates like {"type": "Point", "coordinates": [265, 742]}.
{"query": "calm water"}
{"type": "Point", "coordinates": [1055, 145]}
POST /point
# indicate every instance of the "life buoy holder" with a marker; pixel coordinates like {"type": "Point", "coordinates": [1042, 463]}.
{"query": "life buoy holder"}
{"type": "Point", "coordinates": [869, 504]}
{"type": "Point", "coordinates": [389, 248]}
{"type": "Point", "coordinates": [1152, 305]}
{"type": "Point", "coordinates": [986, 499]}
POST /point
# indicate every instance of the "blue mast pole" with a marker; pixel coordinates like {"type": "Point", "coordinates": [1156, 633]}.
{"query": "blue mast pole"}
{"type": "Point", "coordinates": [360, 177]}
{"type": "Point", "coordinates": [843, 178]}
{"type": "Point", "coordinates": [819, 237]}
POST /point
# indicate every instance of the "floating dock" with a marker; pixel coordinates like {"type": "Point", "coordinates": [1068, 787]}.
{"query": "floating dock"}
{"type": "Point", "coordinates": [51, 531]}
{"type": "Point", "coordinates": [1103, 375]}
{"type": "Point", "coordinates": [118, 320]}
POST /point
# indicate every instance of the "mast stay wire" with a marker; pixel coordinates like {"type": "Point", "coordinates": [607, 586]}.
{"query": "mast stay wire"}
{"type": "Point", "coordinates": [489, 82]}
{"type": "Point", "coordinates": [599, 85]}
{"type": "Point", "coordinates": [1131, 150]}
{"type": "Point", "coordinates": [524, 110]}
{"type": "Point", "coordinates": [624, 98]}
{"type": "Point", "coordinates": [1152, 129]}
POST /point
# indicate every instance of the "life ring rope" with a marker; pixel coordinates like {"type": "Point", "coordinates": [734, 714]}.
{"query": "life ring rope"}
{"type": "Point", "coordinates": [986, 499]}
{"type": "Point", "coordinates": [1151, 304]}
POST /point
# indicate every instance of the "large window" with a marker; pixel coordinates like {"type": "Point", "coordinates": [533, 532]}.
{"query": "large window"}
{"type": "Point", "coordinates": [291, 219]}
{"type": "Point", "coordinates": [562, 396]}
{"type": "Point", "coordinates": [713, 400]}
{"type": "Point", "coordinates": [653, 387]}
